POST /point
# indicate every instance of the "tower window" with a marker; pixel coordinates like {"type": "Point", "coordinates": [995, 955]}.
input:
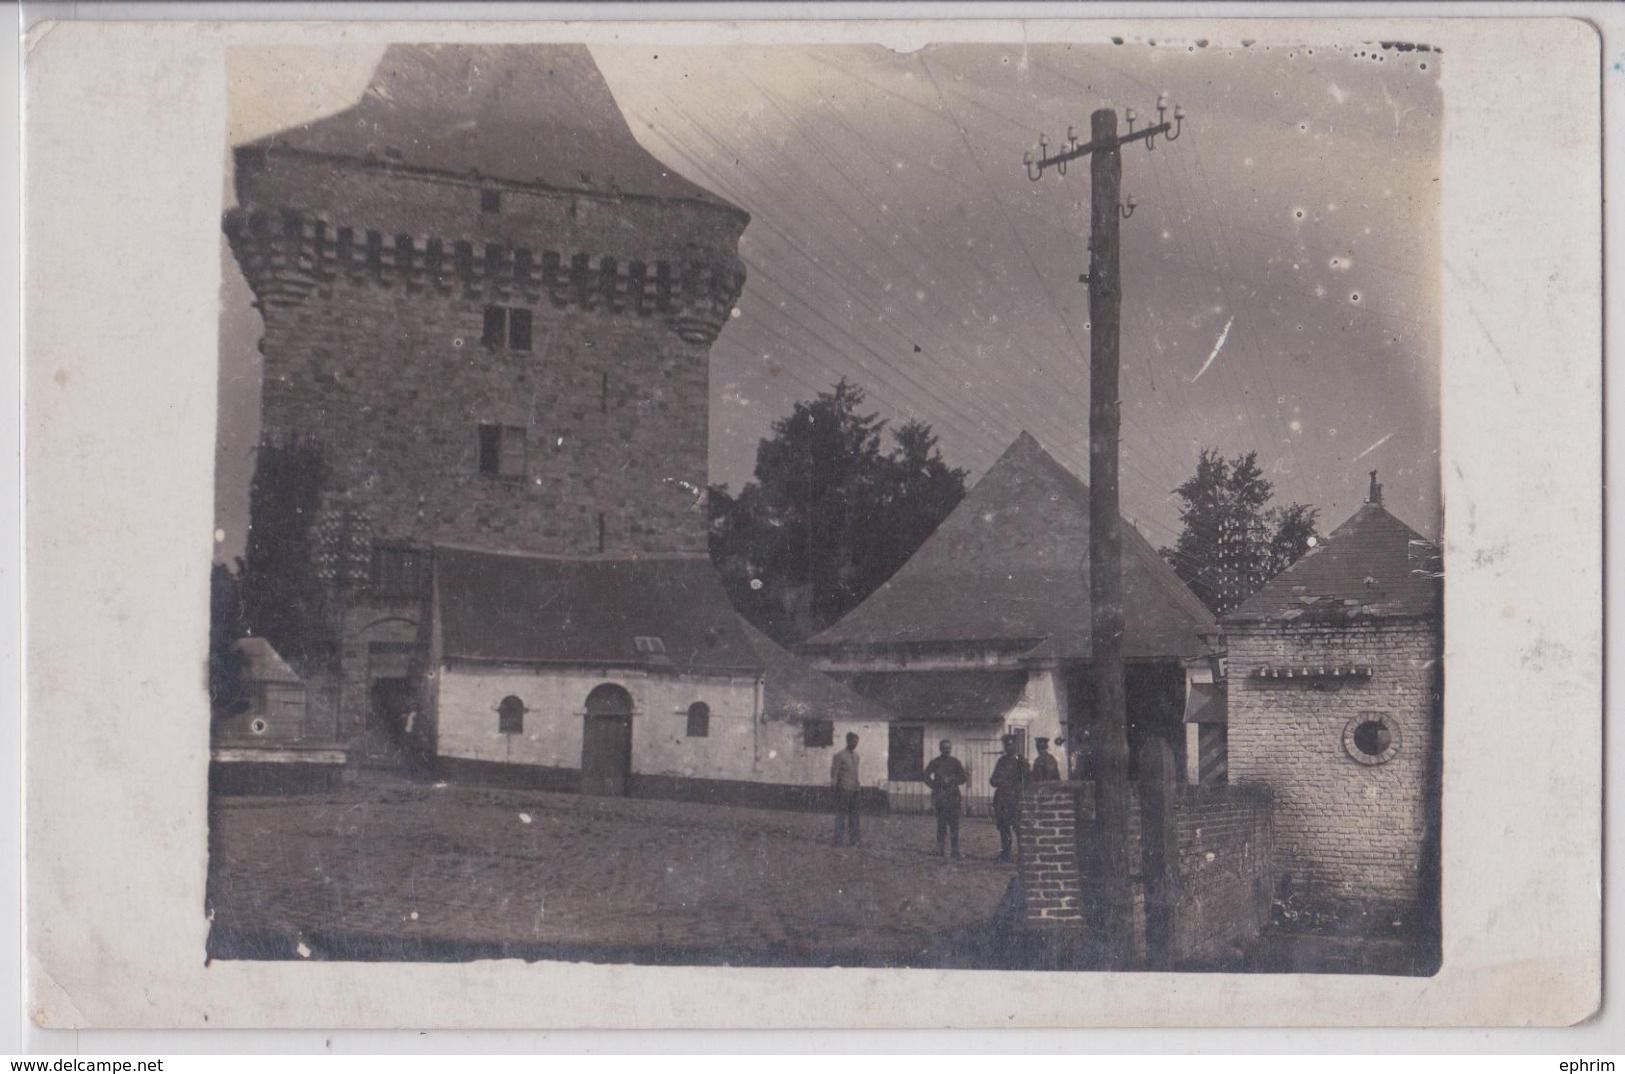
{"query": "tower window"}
{"type": "Point", "coordinates": [506, 326]}
{"type": "Point", "coordinates": [490, 201]}
{"type": "Point", "coordinates": [699, 720]}
{"type": "Point", "coordinates": [502, 450]}
{"type": "Point", "coordinates": [399, 571]}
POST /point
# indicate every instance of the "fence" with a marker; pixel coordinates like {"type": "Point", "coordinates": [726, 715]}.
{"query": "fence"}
{"type": "Point", "coordinates": [978, 755]}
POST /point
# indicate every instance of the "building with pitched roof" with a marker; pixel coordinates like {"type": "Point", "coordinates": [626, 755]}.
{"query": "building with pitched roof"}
{"type": "Point", "coordinates": [1335, 690]}
{"type": "Point", "coordinates": [985, 630]}
{"type": "Point", "coordinates": [622, 676]}
{"type": "Point", "coordinates": [488, 314]}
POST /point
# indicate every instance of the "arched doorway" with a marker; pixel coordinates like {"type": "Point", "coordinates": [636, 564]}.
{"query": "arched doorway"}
{"type": "Point", "coordinates": [606, 741]}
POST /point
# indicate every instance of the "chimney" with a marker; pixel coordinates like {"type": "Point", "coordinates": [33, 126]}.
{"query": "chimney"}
{"type": "Point", "coordinates": [1375, 495]}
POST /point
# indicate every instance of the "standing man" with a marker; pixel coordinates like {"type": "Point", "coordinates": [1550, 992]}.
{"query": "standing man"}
{"type": "Point", "coordinates": [1045, 768]}
{"type": "Point", "coordinates": [843, 779]}
{"type": "Point", "coordinates": [945, 775]}
{"type": "Point", "coordinates": [1009, 776]}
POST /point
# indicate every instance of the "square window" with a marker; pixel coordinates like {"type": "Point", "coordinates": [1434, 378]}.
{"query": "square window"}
{"type": "Point", "coordinates": [399, 571]}
{"type": "Point", "coordinates": [818, 733]}
{"type": "Point", "coordinates": [699, 720]}
{"type": "Point", "coordinates": [905, 753]}
{"type": "Point", "coordinates": [519, 330]}
{"type": "Point", "coordinates": [496, 326]}
{"type": "Point", "coordinates": [490, 201]}
{"type": "Point", "coordinates": [502, 450]}
{"type": "Point", "coordinates": [505, 326]}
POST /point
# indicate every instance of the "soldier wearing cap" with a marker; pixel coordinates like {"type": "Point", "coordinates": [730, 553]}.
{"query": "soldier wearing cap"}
{"type": "Point", "coordinates": [1045, 768]}
{"type": "Point", "coordinates": [1009, 776]}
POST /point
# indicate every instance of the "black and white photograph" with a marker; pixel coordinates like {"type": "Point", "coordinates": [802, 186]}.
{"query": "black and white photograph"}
{"type": "Point", "coordinates": [972, 507]}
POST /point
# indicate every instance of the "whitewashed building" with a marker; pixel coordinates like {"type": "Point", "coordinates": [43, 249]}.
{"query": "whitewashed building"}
{"type": "Point", "coordinates": [625, 675]}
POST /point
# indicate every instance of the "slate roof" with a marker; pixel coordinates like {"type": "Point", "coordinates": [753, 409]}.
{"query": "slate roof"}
{"type": "Point", "coordinates": [942, 696]}
{"type": "Point", "coordinates": [535, 609]}
{"type": "Point", "coordinates": [1373, 565]}
{"type": "Point", "coordinates": [1007, 566]}
{"type": "Point", "coordinates": [538, 114]}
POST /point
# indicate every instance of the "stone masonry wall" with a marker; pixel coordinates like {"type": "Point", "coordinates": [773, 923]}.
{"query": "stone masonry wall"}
{"type": "Point", "coordinates": [1349, 835]}
{"type": "Point", "coordinates": [373, 284]}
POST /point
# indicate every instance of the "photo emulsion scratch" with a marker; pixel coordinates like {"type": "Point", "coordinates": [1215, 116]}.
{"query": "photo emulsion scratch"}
{"type": "Point", "coordinates": [820, 505]}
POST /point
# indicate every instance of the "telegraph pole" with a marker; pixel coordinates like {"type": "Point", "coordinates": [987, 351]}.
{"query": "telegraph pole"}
{"type": "Point", "coordinates": [1105, 519]}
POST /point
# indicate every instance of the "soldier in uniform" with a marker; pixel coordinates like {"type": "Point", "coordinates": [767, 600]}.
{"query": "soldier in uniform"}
{"type": "Point", "coordinates": [1009, 776]}
{"type": "Point", "coordinates": [945, 775]}
{"type": "Point", "coordinates": [1045, 768]}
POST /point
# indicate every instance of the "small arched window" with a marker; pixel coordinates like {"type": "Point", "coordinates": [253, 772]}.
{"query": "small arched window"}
{"type": "Point", "coordinates": [699, 720]}
{"type": "Point", "coordinates": [511, 716]}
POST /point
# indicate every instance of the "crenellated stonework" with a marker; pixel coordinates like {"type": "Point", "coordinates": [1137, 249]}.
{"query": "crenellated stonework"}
{"type": "Point", "coordinates": [287, 255]}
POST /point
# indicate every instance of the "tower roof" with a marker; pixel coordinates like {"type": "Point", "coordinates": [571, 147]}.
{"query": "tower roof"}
{"type": "Point", "coordinates": [532, 114]}
{"type": "Point", "coordinates": [1009, 564]}
{"type": "Point", "coordinates": [1371, 565]}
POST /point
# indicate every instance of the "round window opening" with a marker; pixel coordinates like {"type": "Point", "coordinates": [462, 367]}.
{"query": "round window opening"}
{"type": "Point", "coordinates": [1371, 738]}
{"type": "Point", "coordinates": [259, 727]}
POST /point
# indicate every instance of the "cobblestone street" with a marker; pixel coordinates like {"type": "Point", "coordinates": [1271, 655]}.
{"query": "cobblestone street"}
{"type": "Point", "coordinates": [388, 868]}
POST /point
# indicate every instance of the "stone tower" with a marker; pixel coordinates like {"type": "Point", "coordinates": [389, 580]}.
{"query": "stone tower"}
{"type": "Point", "coordinates": [489, 311]}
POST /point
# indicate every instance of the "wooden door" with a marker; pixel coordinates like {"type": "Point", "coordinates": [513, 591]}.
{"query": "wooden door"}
{"type": "Point", "coordinates": [606, 741]}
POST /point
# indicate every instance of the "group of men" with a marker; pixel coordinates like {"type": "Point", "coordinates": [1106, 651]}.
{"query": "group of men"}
{"type": "Point", "coordinates": [944, 776]}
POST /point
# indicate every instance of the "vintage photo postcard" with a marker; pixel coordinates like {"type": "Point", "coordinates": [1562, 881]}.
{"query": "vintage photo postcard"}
{"type": "Point", "coordinates": [881, 524]}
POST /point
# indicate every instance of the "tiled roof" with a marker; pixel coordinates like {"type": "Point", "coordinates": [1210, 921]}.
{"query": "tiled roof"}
{"type": "Point", "coordinates": [535, 609]}
{"type": "Point", "coordinates": [527, 113]}
{"type": "Point", "coordinates": [262, 663]}
{"type": "Point", "coordinates": [1007, 566]}
{"type": "Point", "coordinates": [942, 696]}
{"type": "Point", "coordinates": [1371, 565]}
{"type": "Point", "coordinates": [795, 691]}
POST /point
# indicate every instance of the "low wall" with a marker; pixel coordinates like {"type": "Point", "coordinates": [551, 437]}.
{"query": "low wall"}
{"type": "Point", "coordinates": [1055, 829]}
{"type": "Point", "coordinates": [1223, 880]}
{"type": "Point", "coordinates": [670, 788]}
{"type": "Point", "coordinates": [1216, 871]}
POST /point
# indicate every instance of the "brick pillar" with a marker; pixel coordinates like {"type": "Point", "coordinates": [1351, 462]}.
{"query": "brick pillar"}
{"type": "Point", "coordinates": [1051, 882]}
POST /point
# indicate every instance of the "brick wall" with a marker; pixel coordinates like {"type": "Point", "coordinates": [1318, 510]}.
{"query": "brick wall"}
{"type": "Point", "coordinates": [1219, 879]}
{"type": "Point", "coordinates": [1054, 827]}
{"type": "Point", "coordinates": [1350, 836]}
{"type": "Point", "coordinates": [1224, 876]}
{"type": "Point", "coordinates": [1051, 875]}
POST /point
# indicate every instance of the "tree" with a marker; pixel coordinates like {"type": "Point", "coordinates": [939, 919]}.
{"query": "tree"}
{"type": "Point", "coordinates": [283, 600]}
{"type": "Point", "coordinates": [830, 515]}
{"type": "Point", "coordinates": [226, 691]}
{"type": "Point", "coordinates": [1232, 541]}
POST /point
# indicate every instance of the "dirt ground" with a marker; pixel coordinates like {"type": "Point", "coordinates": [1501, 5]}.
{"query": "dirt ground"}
{"type": "Point", "coordinates": [390, 868]}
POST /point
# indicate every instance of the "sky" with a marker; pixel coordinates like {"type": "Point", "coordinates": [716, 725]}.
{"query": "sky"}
{"type": "Point", "coordinates": [1280, 272]}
